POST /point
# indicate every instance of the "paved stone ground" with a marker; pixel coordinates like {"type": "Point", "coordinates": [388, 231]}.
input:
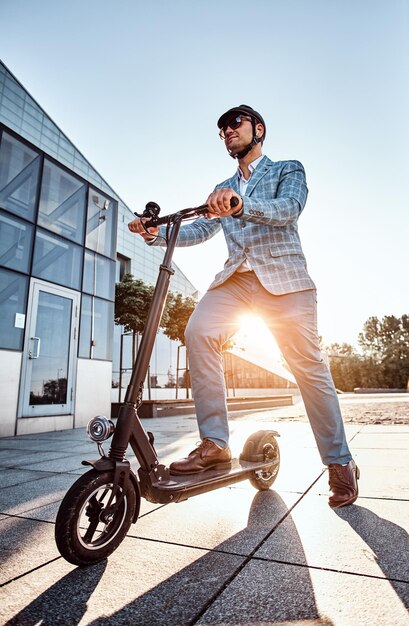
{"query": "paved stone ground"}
{"type": "Point", "coordinates": [230, 557]}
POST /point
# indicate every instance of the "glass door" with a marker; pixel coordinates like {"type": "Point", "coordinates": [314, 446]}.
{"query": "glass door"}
{"type": "Point", "coordinates": [49, 352]}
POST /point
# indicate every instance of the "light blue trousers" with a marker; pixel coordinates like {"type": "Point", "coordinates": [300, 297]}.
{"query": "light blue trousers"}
{"type": "Point", "coordinates": [292, 318]}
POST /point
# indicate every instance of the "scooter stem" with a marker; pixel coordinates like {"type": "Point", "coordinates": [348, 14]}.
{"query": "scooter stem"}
{"type": "Point", "coordinates": [127, 422]}
{"type": "Point", "coordinates": [135, 387]}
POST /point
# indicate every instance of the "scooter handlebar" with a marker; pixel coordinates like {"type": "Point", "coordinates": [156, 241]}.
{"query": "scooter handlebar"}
{"type": "Point", "coordinates": [183, 214]}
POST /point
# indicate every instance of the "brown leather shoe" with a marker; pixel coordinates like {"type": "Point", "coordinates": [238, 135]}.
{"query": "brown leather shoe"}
{"type": "Point", "coordinates": [207, 455]}
{"type": "Point", "coordinates": [343, 482]}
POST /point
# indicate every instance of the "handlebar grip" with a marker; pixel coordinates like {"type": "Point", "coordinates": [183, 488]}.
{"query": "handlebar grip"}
{"type": "Point", "coordinates": [184, 213]}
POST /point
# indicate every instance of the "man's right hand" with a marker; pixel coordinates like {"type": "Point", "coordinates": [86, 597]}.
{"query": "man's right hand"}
{"type": "Point", "coordinates": [136, 227]}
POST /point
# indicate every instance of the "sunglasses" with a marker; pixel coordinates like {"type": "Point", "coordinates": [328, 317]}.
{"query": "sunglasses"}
{"type": "Point", "coordinates": [233, 124]}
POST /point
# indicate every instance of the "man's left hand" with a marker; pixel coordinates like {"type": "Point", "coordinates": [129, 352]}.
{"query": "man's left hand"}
{"type": "Point", "coordinates": [219, 203]}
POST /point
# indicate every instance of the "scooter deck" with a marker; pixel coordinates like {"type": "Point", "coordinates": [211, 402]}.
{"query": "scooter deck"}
{"type": "Point", "coordinates": [182, 486]}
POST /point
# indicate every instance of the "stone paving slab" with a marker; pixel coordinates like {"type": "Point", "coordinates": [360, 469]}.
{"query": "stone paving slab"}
{"type": "Point", "coordinates": [266, 593]}
{"type": "Point", "coordinates": [11, 477]}
{"type": "Point", "coordinates": [229, 520]}
{"type": "Point", "coordinates": [25, 544]}
{"type": "Point", "coordinates": [386, 428]}
{"type": "Point", "coordinates": [38, 445]}
{"type": "Point", "coordinates": [21, 458]}
{"type": "Point", "coordinates": [360, 539]}
{"type": "Point", "coordinates": [381, 441]}
{"type": "Point", "coordinates": [143, 583]}
{"type": "Point", "coordinates": [61, 465]}
{"type": "Point", "coordinates": [28, 496]}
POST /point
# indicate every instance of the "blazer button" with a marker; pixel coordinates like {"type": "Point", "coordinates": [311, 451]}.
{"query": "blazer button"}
{"type": "Point", "coordinates": [243, 224]}
{"type": "Point", "coordinates": [246, 249]}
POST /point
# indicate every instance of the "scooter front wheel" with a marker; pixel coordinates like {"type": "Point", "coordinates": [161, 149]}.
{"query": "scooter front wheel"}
{"type": "Point", "coordinates": [85, 532]}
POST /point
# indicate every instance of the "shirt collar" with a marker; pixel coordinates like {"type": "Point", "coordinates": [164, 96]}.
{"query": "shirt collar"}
{"type": "Point", "coordinates": [252, 167]}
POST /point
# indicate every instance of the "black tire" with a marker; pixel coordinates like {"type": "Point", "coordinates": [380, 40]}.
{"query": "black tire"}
{"type": "Point", "coordinates": [81, 537]}
{"type": "Point", "coordinates": [263, 446]}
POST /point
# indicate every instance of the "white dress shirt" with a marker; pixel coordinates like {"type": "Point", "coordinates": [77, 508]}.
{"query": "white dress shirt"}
{"type": "Point", "coordinates": [243, 183]}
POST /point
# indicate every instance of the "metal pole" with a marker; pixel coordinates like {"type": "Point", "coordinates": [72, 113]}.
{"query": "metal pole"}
{"type": "Point", "coordinates": [135, 387]}
{"type": "Point", "coordinates": [121, 349]}
{"type": "Point", "coordinates": [177, 371]}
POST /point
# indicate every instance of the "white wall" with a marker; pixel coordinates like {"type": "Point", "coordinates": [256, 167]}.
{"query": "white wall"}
{"type": "Point", "coordinates": [10, 366]}
{"type": "Point", "coordinates": [45, 424]}
{"type": "Point", "coordinates": [93, 393]}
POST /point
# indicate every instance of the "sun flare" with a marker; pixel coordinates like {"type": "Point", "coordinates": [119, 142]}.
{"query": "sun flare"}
{"type": "Point", "coordinates": [255, 343]}
{"type": "Point", "coordinates": [255, 335]}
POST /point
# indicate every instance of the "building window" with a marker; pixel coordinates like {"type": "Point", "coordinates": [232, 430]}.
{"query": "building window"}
{"type": "Point", "coordinates": [101, 224]}
{"type": "Point", "coordinates": [13, 298]}
{"type": "Point", "coordinates": [123, 266]}
{"type": "Point", "coordinates": [97, 323]}
{"type": "Point", "coordinates": [57, 260]}
{"type": "Point", "coordinates": [19, 172]}
{"type": "Point", "coordinates": [99, 276]}
{"type": "Point", "coordinates": [62, 203]}
{"type": "Point", "coordinates": [16, 242]}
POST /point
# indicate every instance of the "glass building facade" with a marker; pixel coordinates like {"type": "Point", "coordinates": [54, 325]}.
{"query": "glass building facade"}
{"type": "Point", "coordinates": [63, 244]}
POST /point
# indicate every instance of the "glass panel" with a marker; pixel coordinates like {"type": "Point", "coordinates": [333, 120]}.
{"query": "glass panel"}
{"type": "Point", "coordinates": [123, 266]}
{"type": "Point", "coordinates": [99, 276]}
{"type": "Point", "coordinates": [57, 260]}
{"type": "Point", "coordinates": [19, 169]}
{"type": "Point", "coordinates": [13, 298]}
{"type": "Point", "coordinates": [103, 322]}
{"type": "Point", "coordinates": [62, 203]}
{"type": "Point", "coordinates": [103, 329]}
{"type": "Point", "coordinates": [16, 238]}
{"type": "Point", "coordinates": [52, 337]}
{"type": "Point", "coordinates": [101, 224]}
{"type": "Point", "coordinates": [85, 328]}
{"type": "Point", "coordinates": [89, 273]}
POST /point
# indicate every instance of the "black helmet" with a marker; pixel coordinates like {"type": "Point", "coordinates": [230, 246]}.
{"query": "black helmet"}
{"type": "Point", "coordinates": [256, 118]}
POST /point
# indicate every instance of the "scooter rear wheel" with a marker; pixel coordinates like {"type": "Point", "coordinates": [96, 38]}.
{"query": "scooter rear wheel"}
{"type": "Point", "coordinates": [82, 534]}
{"type": "Point", "coordinates": [263, 446]}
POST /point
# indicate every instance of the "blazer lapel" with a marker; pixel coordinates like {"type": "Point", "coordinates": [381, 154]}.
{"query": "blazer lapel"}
{"type": "Point", "coordinates": [260, 171]}
{"type": "Point", "coordinates": [235, 183]}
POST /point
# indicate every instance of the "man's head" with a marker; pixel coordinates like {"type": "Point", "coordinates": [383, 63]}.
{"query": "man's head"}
{"type": "Point", "coordinates": [241, 128]}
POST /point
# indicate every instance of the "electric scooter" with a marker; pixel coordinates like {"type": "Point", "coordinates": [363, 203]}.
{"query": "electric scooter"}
{"type": "Point", "coordinates": [98, 510]}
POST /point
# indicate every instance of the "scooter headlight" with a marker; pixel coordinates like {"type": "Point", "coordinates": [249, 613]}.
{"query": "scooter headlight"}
{"type": "Point", "coordinates": [100, 428]}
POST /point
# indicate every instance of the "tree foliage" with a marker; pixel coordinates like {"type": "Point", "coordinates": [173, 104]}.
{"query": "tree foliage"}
{"type": "Point", "coordinates": [385, 359]}
{"type": "Point", "coordinates": [179, 310]}
{"type": "Point", "coordinates": [386, 341]}
{"type": "Point", "coordinates": [132, 301]}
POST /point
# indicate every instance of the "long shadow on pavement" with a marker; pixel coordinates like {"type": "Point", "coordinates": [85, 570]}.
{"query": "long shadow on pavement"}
{"type": "Point", "coordinates": [386, 540]}
{"type": "Point", "coordinates": [237, 588]}
{"type": "Point", "coordinates": [183, 598]}
{"type": "Point", "coordinates": [65, 602]}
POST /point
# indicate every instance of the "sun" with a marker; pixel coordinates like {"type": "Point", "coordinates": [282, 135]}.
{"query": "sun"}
{"type": "Point", "coordinates": [254, 335]}
{"type": "Point", "coordinates": [255, 343]}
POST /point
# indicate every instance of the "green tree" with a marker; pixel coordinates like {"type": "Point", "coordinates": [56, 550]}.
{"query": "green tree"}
{"type": "Point", "coordinates": [386, 343]}
{"type": "Point", "coordinates": [345, 365]}
{"type": "Point", "coordinates": [133, 298]}
{"type": "Point", "coordinates": [178, 312]}
{"type": "Point", "coordinates": [132, 301]}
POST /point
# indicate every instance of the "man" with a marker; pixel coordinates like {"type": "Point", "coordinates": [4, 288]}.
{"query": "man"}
{"type": "Point", "coordinates": [265, 273]}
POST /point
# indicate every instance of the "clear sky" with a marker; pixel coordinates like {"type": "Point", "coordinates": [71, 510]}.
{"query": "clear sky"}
{"type": "Point", "coordinates": [138, 88]}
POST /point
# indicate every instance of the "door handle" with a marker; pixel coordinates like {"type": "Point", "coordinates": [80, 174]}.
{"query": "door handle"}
{"type": "Point", "coordinates": [35, 353]}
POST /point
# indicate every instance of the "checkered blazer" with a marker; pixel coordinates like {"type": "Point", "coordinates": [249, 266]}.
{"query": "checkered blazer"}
{"type": "Point", "coordinates": [266, 233]}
